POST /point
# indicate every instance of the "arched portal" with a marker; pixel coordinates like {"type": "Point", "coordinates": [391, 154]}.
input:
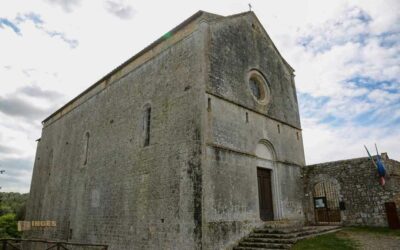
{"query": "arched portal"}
{"type": "Point", "coordinates": [266, 178]}
{"type": "Point", "coordinates": [326, 202]}
{"type": "Point", "coordinates": [265, 150]}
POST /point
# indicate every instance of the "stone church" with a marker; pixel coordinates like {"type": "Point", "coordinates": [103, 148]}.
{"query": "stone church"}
{"type": "Point", "coordinates": [190, 144]}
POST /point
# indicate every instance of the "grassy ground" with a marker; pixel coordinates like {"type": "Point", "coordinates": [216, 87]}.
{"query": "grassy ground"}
{"type": "Point", "coordinates": [374, 230]}
{"type": "Point", "coordinates": [341, 240]}
{"type": "Point", "coordinates": [326, 242]}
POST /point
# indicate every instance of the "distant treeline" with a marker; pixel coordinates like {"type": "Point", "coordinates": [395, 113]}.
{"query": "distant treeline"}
{"type": "Point", "coordinates": [12, 209]}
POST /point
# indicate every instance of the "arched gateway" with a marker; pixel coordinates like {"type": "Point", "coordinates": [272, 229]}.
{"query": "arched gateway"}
{"type": "Point", "coordinates": [326, 202]}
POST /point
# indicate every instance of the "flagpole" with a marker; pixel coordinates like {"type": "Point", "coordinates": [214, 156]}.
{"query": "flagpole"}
{"type": "Point", "coordinates": [376, 148]}
{"type": "Point", "coordinates": [370, 157]}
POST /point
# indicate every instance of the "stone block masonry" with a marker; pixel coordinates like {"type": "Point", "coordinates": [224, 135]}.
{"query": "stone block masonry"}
{"type": "Point", "coordinates": [358, 187]}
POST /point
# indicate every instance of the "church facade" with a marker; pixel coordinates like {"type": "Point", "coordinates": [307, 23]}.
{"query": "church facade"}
{"type": "Point", "coordinates": [190, 144]}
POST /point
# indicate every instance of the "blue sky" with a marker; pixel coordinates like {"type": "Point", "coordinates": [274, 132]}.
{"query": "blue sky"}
{"type": "Point", "coordinates": [346, 55]}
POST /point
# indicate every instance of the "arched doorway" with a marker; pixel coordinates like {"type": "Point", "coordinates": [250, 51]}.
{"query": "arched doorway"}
{"type": "Point", "coordinates": [266, 153]}
{"type": "Point", "coordinates": [326, 203]}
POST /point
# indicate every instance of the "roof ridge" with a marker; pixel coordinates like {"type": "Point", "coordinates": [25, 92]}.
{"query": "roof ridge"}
{"type": "Point", "coordinates": [240, 14]}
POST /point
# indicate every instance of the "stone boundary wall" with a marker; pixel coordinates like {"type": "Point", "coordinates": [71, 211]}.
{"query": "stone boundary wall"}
{"type": "Point", "coordinates": [359, 189]}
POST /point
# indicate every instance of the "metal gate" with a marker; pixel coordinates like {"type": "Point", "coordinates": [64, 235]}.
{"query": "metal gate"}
{"type": "Point", "coordinates": [326, 203]}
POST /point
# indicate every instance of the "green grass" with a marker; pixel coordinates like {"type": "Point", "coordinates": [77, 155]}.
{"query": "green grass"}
{"type": "Point", "coordinates": [375, 230]}
{"type": "Point", "coordinates": [339, 240]}
{"type": "Point", "coordinates": [326, 242]}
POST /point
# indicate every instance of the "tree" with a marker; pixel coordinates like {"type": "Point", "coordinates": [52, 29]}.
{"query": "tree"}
{"type": "Point", "coordinates": [8, 226]}
{"type": "Point", "coordinates": [12, 209]}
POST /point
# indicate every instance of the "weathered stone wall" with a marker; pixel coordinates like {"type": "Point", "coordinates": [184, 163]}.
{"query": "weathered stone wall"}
{"type": "Point", "coordinates": [127, 195]}
{"type": "Point", "coordinates": [358, 187]}
{"type": "Point", "coordinates": [235, 125]}
{"type": "Point", "coordinates": [238, 45]}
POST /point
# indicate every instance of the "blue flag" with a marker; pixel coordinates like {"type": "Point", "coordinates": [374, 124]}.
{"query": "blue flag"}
{"type": "Point", "coordinates": [378, 163]}
{"type": "Point", "coordinates": [381, 167]}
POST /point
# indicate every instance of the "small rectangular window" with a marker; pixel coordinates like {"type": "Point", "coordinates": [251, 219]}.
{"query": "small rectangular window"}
{"type": "Point", "coordinates": [147, 118]}
{"type": "Point", "coordinates": [87, 135]}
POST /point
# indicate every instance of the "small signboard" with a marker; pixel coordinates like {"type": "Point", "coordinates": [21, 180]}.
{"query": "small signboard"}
{"type": "Point", "coordinates": [320, 202]}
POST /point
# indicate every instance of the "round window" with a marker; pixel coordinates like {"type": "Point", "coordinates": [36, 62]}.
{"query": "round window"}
{"type": "Point", "coordinates": [258, 87]}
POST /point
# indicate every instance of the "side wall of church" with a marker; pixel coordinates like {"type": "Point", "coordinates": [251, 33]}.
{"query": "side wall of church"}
{"type": "Point", "coordinates": [235, 124]}
{"type": "Point", "coordinates": [96, 179]}
{"type": "Point", "coordinates": [358, 187]}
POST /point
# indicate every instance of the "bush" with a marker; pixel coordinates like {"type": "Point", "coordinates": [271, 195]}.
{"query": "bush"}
{"type": "Point", "coordinates": [12, 209]}
{"type": "Point", "coordinates": [8, 226]}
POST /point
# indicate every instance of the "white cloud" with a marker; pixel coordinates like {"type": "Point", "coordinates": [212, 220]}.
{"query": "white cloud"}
{"type": "Point", "coordinates": [66, 5]}
{"type": "Point", "coordinates": [346, 142]}
{"type": "Point", "coordinates": [120, 9]}
{"type": "Point", "coordinates": [348, 75]}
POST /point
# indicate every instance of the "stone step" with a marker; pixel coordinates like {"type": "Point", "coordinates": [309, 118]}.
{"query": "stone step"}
{"type": "Point", "coordinates": [285, 230]}
{"type": "Point", "coordinates": [320, 233]}
{"type": "Point", "coordinates": [264, 245]}
{"type": "Point", "coordinates": [317, 231]}
{"type": "Point", "coordinates": [294, 229]}
{"type": "Point", "coordinates": [265, 233]}
{"type": "Point", "coordinates": [272, 236]}
{"type": "Point", "coordinates": [265, 239]}
{"type": "Point", "coordinates": [282, 224]}
{"type": "Point", "coordinates": [270, 240]}
{"type": "Point", "coordinates": [252, 248]}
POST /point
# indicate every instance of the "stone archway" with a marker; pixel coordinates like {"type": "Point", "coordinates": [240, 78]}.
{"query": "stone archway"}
{"type": "Point", "coordinates": [265, 150]}
{"type": "Point", "coordinates": [268, 184]}
{"type": "Point", "coordinates": [326, 202]}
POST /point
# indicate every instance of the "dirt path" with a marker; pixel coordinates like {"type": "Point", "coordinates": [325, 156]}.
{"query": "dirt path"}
{"type": "Point", "coordinates": [372, 241]}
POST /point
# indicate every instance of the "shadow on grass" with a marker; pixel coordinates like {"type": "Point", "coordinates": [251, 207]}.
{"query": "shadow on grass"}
{"type": "Point", "coordinates": [326, 242]}
{"type": "Point", "coordinates": [375, 230]}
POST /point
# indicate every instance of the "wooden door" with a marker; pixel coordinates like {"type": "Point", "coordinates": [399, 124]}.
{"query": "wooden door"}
{"type": "Point", "coordinates": [326, 203]}
{"type": "Point", "coordinates": [265, 194]}
{"type": "Point", "coordinates": [392, 217]}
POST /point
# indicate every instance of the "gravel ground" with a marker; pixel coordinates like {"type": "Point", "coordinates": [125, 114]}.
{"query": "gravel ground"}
{"type": "Point", "coordinates": [371, 241]}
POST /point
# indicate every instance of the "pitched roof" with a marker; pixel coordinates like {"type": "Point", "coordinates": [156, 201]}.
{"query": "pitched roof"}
{"type": "Point", "coordinates": [200, 15]}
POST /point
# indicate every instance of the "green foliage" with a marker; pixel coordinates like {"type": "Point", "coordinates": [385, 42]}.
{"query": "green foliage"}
{"type": "Point", "coordinates": [13, 203]}
{"type": "Point", "coordinates": [12, 209]}
{"type": "Point", "coordinates": [5, 209]}
{"type": "Point", "coordinates": [8, 226]}
{"type": "Point", "coordinates": [326, 242]}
